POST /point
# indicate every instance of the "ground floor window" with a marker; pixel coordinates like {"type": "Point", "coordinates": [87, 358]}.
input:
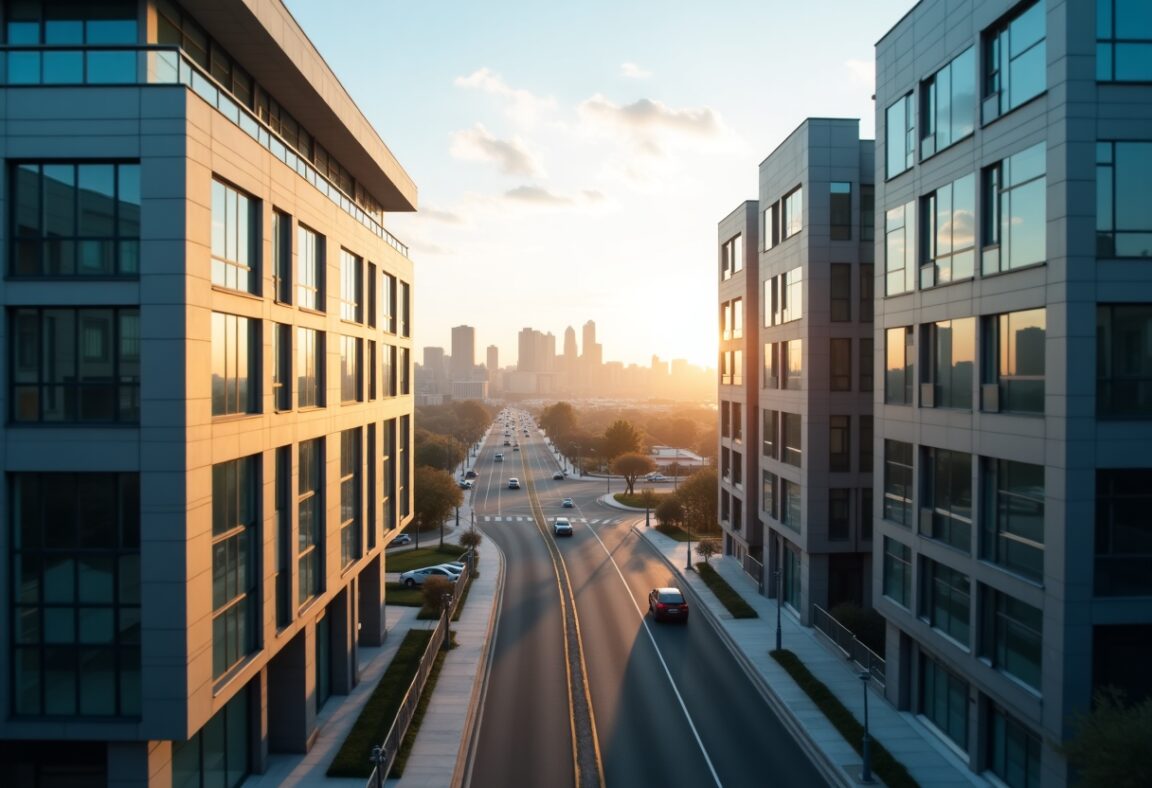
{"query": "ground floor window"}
{"type": "Point", "coordinates": [218, 753]}
{"type": "Point", "coordinates": [1013, 751]}
{"type": "Point", "coordinates": [944, 700]}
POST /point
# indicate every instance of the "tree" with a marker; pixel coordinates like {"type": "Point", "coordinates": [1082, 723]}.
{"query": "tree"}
{"type": "Point", "coordinates": [632, 466]}
{"type": "Point", "coordinates": [699, 494]}
{"type": "Point", "coordinates": [472, 421]}
{"type": "Point", "coordinates": [707, 548]}
{"type": "Point", "coordinates": [1108, 747]}
{"type": "Point", "coordinates": [620, 438]}
{"type": "Point", "coordinates": [436, 494]}
{"type": "Point", "coordinates": [558, 420]}
{"type": "Point", "coordinates": [437, 451]}
{"type": "Point", "coordinates": [471, 539]}
{"type": "Point", "coordinates": [433, 591]}
{"type": "Point", "coordinates": [670, 511]}
{"type": "Point", "coordinates": [649, 499]}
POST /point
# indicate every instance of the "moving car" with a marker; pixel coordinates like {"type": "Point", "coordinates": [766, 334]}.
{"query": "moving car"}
{"type": "Point", "coordinates": [416, 577]}
{"type": "Point", "coordinates": [401, 539]}
{"type": "Point", "coordinates": [567, 503]}
{"type": "Point", "coordinates": [516, 447]}
{"type": "Point", "coordinates": [562, 526]}
{"type": "Point", "coordinates": [513, 483]}
{"type": "Point", "coordinates": [469, 474]}
{"type": "Point", "coordinates": [507, 442]}
{"type": "Point", "coordinates": [466, 484]}
{"type": "Point", "coordinates": [655, 477]}
{"type": "Point", "coordinates": [558, 475]}
{"type": "Point", "coordinates": [498, 458]}
{"type": "Point", "coordinates": [667, 604]}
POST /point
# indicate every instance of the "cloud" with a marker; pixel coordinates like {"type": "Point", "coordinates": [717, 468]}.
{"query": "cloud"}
{"type": "Point", "coordinates": [633, 71]}
{"type": "Point", "coordinates": [536, 195]}
{"type": "Point", "coordinates": [861, 72]}
{"type": "Point", "coordinates": [650, 126]}
{"type": "Point", "coordinates": [510, 156]}
{"type": "Point", "coordinates": [437, 215]}
{"type": "Point", "coordinates": [523, 105]}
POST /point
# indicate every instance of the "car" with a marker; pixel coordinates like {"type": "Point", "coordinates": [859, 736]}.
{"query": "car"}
{"type": "Point", "coordinates": [453, 566]}
{"type": "Point", "coordinates": [558, 475]}
{"type": "Point", "coordinates": [401, 539]}
{"type": "Point", "coordinates": [416, 577]}
{"type": "Point", "coordinates": [516, 447]}
{"type": "Point", "coordinates": [667, 604]}
{"type": "Point", "coordinates": [498, 458]}
{"type": "Point", "coordinates": [562, 526]}
{"type": "Point", "coordinates": [655, 477]}
{"type": "Point", "coordinates": [466, 484]}
{"type": "Point", "coordinates": [507, 442]}
{"type": "Point", "coordinates": [567, 503]}
{"type": "Point", "coordinates": [513, 483]}
{"type": "Point", "coordinates": [469, 474]}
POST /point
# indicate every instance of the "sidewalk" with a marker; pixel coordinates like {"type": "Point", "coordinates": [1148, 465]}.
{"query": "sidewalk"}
{"type": "Point", "coordinates": [927, 759]}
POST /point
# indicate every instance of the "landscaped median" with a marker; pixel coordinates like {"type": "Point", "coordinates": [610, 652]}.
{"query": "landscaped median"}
{"type": "Point", "coordinates": [727, 595]}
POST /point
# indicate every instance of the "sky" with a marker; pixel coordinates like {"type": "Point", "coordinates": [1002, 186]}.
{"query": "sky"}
{"type": "Point", "coordinates": [574, 159]}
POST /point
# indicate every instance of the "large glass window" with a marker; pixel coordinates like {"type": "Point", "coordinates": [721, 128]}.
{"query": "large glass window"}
{"type": "Point", "coordinates": [1015, 67]}
{"type": "Point", "coordinates": [948, 497]}
{"type": "Point", "coordinates": [1013, 516]}
{"type": "Point", "coordinates": [840, 211]}
{"type": "Point", "coordinates": [792, 439]}
{"type": "Point", "coordinates": [1015, 213]}
{"type": "Point", "coordinates": [898, 572]}
{"type": "Point", "coordinates": [388, 459]}
{"type": "Point", "coordinates": [75, 365]}
{"type": "Point", "coordinates": [771, 228]}
{"type": "Point", "coordinates": [867, 359]}
{"type": "Point", "coordinates": [952, 346]}
{"type": "Point", "coordinates": [235, 364]}
{"type": "Point", "coordinates": [388, 375]}
{"type": "Point", "coordinates": [74, 220]}
{"type": "Point", "coordinates": [351, 352]}
{"type": "Point", "coordinates": [404, 307]}
{"type": "Point", "coordinates": [738, 318]}
{"type": "Point", "coordinates": [74, 568]}
{"type": "Point", "coordinates": [900, 249]}
{"type": "Point", "coordinates": [309, 268]}
{"type": "Point", "coordinates": [282, 536]}
{"type": "Point", "coordinates": [310, 511]}
{"type": "Point", "coordinates": [944, 700]}
{"type": "Point", "coordinates": [770, 431]}
{"type": "Point", "coordinates": [793, 364]}
{"type": "Point", "coordinates": [72, 25]}
{"type": "Point", "coordinates": [219, 754]}
{"type": "Point", "coordinates": [351, 287]}
{"type": "Point", "coordinates": [1014, 349]}
{"type": "Point", "coordinates": [1124, 360]}
{"type": "Point", "coordinates": [282, 366]}
{"type": "Point", "coordinates": [768, 486]}
{"type": "Point", "coordinates": [948, 104]}
{"type": "Point", "coordinates": [403, 453]}
{"type": "Point", "coordinates": [867, 290]}
{"type": "Point", "coordinates": [731, 257]}
{"type": "Point", "coordinates": [791, 295]}
{"type": "Point", "coordinates": [282, 256]}
{"type": "Point", "coordinates": [771, 378]}
{"type": "Point", "coordinates": [351, 506]}
{"type": "Point", "coordinates": [900, 136]}
{"type": "Point", "coordinates": [898, 482]}
{"type": "Point", "coordinates": [948, 233]}
{"type": "Point", "coordinates": [1123, 172]}
{"type": "Point", "coordinates": [309, 368]}
{"type": "Point", "coordinates": [840, 293]}
{"type": "Point", "coordinates": [839, 514]}
{"type": "Point", "coordinates": [839, 443]}
{"type": "Point", "coordinates": [1123, 41]}
{"type": "Point", "coordinates": [1011, 635]}
{"type": "Point", "coordinates": [790, 504]}
{"type": "Point", "coordinates": [235, 239]}
{"type": "Point", "coordinates": [899, 374]}
{"type": "Point", "coordinates": [1013, 750]}
{"type": "Point", "coordinates": [840, 364]}
{"type": "Point", "coordinates": [1123, 532]}
{"type": "Point", "coordinates": [946, 600]}
{"type": "Point", "coordinates": [792, 219]}
{"type": "Point", "coordinates": [866, 446]}
{"type": "Point", "coordinates": [235, 541]}
{"type": "Point", "coordinates": [388, 303]}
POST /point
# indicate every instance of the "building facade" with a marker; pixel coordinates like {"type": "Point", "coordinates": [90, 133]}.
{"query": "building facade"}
{"type": "Point", "coordinates": [1014, 343]}
{"type": "Point", "coordinates": [206, 390]}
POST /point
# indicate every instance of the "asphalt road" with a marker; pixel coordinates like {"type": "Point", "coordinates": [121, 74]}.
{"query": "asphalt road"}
{"type": "Point", "coordinates": [670, 704]}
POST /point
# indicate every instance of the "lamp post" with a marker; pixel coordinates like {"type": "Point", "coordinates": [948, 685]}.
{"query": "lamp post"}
{"type": "Point", "coordinates": [779, 602]}
{"type": "Point", "coordinates": [377, 759]}
{"type": "Point", "coordinates": [688, 561]}
{"type": "Point", "coordinates": [866, 742]}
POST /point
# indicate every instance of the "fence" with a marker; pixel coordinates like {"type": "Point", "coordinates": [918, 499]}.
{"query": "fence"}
{"type": "Point", "coordinates": [755, 570]}
{"type": "Point", "coordinates": [842, 637]}
{"type": "Point", "coordinates": [390, 747]}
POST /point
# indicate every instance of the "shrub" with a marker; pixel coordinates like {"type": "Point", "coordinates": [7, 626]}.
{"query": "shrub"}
{"type": "Point", "coordinates": [434, 591]}
{"type": "Point", "coordinates": [727, 595]}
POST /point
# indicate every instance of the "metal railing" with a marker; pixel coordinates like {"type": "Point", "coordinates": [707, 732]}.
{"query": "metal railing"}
{"type": "Point", "coordinates": [755, 570]}
{"type": "Point", "coordinates": [848, 644]}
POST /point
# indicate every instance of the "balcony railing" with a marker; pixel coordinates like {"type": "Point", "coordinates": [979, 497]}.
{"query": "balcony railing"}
{"type": "Point", "coordinates": [162, 65]}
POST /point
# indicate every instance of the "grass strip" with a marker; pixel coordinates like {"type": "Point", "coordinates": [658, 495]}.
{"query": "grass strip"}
{"type": "Point", "coordinates": [675, 532]}
{"type": "Point", "coordinates": [887, 768]}
{"type": "Point", "coordinates": [725, 593]}
{"type": "Point", "coordinates": [380, 711]}
{"type": "Point", "coordinates": [400, 595]}
{"type": "Point", "coordinates": [424, 556]}
{"type": "Point", "coordinates": [418, 717]}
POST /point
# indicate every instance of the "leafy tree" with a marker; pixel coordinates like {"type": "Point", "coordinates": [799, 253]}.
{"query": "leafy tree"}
{"type": "Point", "coordinates": [558, 420]}
{"type": "Point", "coordinates": [578, 444]}
{"type": "Point", "coordinates": [436, 494]}
{"type": "Point", "coordinates": [648, 498]}
{"type": "Point", "coordinates": [632, 466]}
{"type": "Point", "coordinates": [437, 451]}
{"type": "Point", "coordinates": [699, 494]}
{"type": "Point", "coordinates": [620, 438]}
{"type": "Point", "coordinates": [670, 511]}
{"type": "Point", "coordinates": [433, 591]}
{"type": "Point", "coordinates": [470, 539]}
{"type": "Point", "coordinates": [472, 419]}
{"type": "Point", "coordinates": [707, 441]}
{"type": "Point", "coordinates": [706, 548]}
{"type": "Point", "coordinates": [1109, 746]}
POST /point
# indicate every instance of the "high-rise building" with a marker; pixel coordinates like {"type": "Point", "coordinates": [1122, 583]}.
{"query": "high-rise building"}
{"type": "Point", "coordinates": [463, 353]}
{"type": "Point", "coordinates": [493, 360]}
{"type": "Point", "coordinates": [1014, 477]}
{"type": "Point", "coordinates": [196, 271]}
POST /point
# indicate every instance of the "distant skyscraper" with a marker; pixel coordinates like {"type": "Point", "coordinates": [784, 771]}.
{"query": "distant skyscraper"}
{"type": "Point", "coordinates": [493, 360]}
{"type": "Point", "coordinates": [589, 338]}
{"type": "Point", "coordinates": [570, 343]}
{"type": "Point", "coordinates": [435, 370]}
{"type": "Point", "coordinates": [463, 352]}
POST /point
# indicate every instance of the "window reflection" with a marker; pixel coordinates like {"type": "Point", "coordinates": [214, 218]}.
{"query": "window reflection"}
{"type": "Point", "coordinates": [1123, 222]}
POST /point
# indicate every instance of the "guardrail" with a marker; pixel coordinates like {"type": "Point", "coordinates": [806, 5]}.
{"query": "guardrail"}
{"type": "Point", "coordinates": [755, 570]}
{"type": "Point", "coordinates": [848, 644]}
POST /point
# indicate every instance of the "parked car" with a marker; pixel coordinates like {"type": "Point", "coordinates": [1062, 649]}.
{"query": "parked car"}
{"type": "Point", "coordinates": [667, 604]}
{"type": "Point", "coordinates": [416, 577]}
{"type": "Point", "coordinates": [567, 503]}
{"type": "Point", "coordinates": [513, 483]}
{"type": "Point", "coordinates": [469, 474]}
{"type": "Point", "coordinates": [401, 539]}
{"type": "Point", "coordinates": [558, 475]}
{"type": "Point", "coordinates": [562, 526]}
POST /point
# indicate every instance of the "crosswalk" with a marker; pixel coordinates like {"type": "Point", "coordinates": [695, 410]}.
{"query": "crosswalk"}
{"type": "Point", "coordinates": [514, 518]}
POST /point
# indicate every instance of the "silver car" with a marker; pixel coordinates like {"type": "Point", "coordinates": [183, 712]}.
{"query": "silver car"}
{"type": "Point", "coordinates": [416, 577]}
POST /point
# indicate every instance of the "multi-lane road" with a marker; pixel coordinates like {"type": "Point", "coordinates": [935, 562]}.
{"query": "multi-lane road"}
{"type": "Point", "coordinates": [583, 688]}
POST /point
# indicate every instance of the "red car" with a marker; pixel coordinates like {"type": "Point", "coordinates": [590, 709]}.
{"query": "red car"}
{"type": "Point", "coordinates": [667, 604]}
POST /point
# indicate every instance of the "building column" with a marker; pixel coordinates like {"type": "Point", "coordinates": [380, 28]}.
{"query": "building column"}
{"type": "Point", "coordinates": [291, 690]}
{"type": "Point", "coordinates": [372, 622]}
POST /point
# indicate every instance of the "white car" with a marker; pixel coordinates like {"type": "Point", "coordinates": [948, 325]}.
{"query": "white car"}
{"type": "Point", "coordinates": [416, 577]}
{"type": "Point", "coordinates": [562, 526]}
{"type": "Point", "coordinates": [513, 483]}
{"type": "Point", "coordinates": [655, 477]}
{"type": "Point", "coordinates": [401, 539]}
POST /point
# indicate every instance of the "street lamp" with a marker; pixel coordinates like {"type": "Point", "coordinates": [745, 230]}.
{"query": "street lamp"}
{"type": "Point", "coordinates": [866, 742]}
{"type": "Point", "coordinates": [688, 562]}
{"type": "Point", "coordinates": [779, 602]}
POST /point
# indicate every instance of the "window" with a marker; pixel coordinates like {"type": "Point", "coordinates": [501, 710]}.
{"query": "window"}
{"type": "Point", "coordinates": [771, 229]}
{"type": "Point", "coordinates": [388, 303]}
{"type": "Point", "coordinates": [1015, 212]}
{"type": "Point", "coordinates": [731, 257]}
{"type": "Point", "coordinates": [738, 318]}
{"type": "Point", "coordinates": [310, 514]}
{"type": "Point", "coordinates": [867, 291]}
{"type": "Point", "coordinates": [790, 505]}
{"type": "Point", "coordinates": [351, 506]}
{"type": "Point", "coordinates": [351, 287]}
{"type": "Point", "coordinates": [737, 367]}
{"type": "Point", "coordinates": [866, 443]}
{"type": "Point", "coordinates": [1013, 750]}
{"type": "Point", "coordinates": [1013, 516]}
{"type": "Point", "coordinates": [900, 250]}
{"type": "Point", "coordinates": [944, 700]}
{"type": "Point", "coordinates": [1011, 635]}
{"type": "Point", "coordinates": [948, 104]}
{"type": "Point", "coordinates": [726, 320]}
{"type": "Point", "coordinates": [951, 345]}
{"type": "Point", "coordinates": [867, 212]}
{"type": "Point", "coordinates": [839, 514]}
{"type": "Point", "coordinates": [388, 474]}
{"type": "Point", "coordinates": [74, 551]}
{"type": "Point", "coordinates": [899, 372]}
{"type": "Point", "coordinates": [309, 368]}
{"type": "Point", "coordinates": [1123, 532]}
{"type": "Point", "coordinates": [840, 293]}
{"type": "Point", "coordinates": [282, 256]}
{"type": "Point", "coordinates": [946, 600]}
{"type": "Point", "coordinates": [235, 238]}
{"type": "Point", "coordinates": [373, 296]}
{"type": "Point", "coordinates": [1123, 172]}
{"type": "Point", "coordinates": [866, 362]}
{"type": "Point", "coordinates": [866, 513]}
{"type": "Point", "coordinates": [791, 295]}
{"type": "Point", "coordinates": [74, 220]}
{"type": "Point", "coordinates": [737, 469]}
{"type": "Point", "coordinates": [309, 269]}
{"type": "Point", "coordinates": [792, 439]}
{"type": "Point", "coordinates": [771, 430]}
{"type": "Point", "coordinates": [791, 576]}
{"type": "Point", "coordinates": [235, 566]}
{"type": "Point", "coordinates": [900, 136]}
{"type": "Point", "coordinates": [948, 233]}
{"type": "Point", "coordinates": [898, 572]}
{"type": "Point", "coordinates": [351, 384]}
{"type": "Point", "coordinates": [771, 369]}
{"type": "Point", "coordinates": [219, 753]}
{"type": "Point", "coordinates": [840, 211]}
{"type": "Point", "coordinates": [947, 497]}
{"type": "Point", "coordinates": [405, 310]}
{"type": "Point", "coordinates": [1124, 360]}
{"type": "Point", "coordinates": [726, 464]}
{"type": "Point", "coordinates": [840, 364]}
{"type": "Point", "coordinates": [1015, 68]}
{"type": "Point", "coordinates": [370, 493]}
{"type": "Point", "coordinates": [373, 360]}
{"type": "Point", "coordinates": [769, 483]}
{"type": "Point", "coordinates": [76, 366]}
{"type": "Point", "coordinates": [839, 443]}
{"type": "Point", "coordinates": [1123, 41]}
{"type": "Point", "coordinates": [737, 423]}
{"type": "Point", "coordinates": [769, 305]}
{"type": "Point", "coordinates": [403, 447]}
{"type": "Point", "coordinates": [403, 368]}
{"type": "Point", "coordinates": [235, 364]}
{"type": "Point", "coordinates": [282, 536]}
{"type": "Point", "coordinates": [793, 364]}
{"type": "Point", "coordinates": [282, 366]}
{"type": "Point", "coordinates": [725, 419]}
{"type": "Point", "coordinates": [388, 370]}
{"type": "Point", "coordinates": [792, 213]}
{"type": "Point", "coordinates": [1014, 349]}
{"type": "Point", "coordinates": [898, 482]}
